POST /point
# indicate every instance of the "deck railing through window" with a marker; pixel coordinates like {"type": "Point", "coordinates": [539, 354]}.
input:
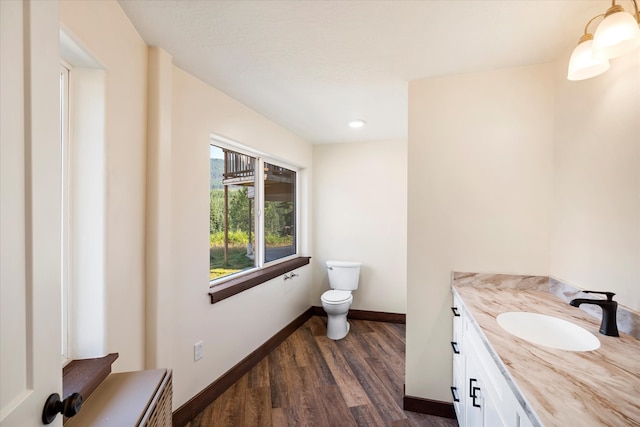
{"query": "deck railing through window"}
{"type": "Point", "coordinates": [238, 167]}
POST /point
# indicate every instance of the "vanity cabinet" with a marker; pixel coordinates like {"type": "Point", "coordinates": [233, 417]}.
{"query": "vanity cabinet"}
{"type": "Point", "coordinates": [481, 395]}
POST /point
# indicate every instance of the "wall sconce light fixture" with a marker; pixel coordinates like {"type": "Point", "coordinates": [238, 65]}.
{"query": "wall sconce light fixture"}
{"type": "Point", "coordinates": [617, 35]}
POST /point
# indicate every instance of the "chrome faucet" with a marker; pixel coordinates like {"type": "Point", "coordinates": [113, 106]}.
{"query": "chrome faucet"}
{"type": "Point", "coordinates": [609, 307]}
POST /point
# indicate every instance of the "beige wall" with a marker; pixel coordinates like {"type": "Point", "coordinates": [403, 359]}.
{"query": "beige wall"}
{"type": "Point", "coordinates": [178, 175]}
{"type": "Point", "coordinates": [518, 171]}
{"type": "Point", "coordinates": [232, 328]}
{"type": "Point", "coordinates": [360, 214]}
{"type": "Point", "coordinates": [105, 32]}
{"type": "Point", "coordinates": [596, 228]}
{"type": "Point", "coordinates": [479, 198]}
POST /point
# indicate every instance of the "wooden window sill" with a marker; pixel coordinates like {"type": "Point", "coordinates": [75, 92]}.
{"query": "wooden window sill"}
{"type": "Point", "coordinates": [85, 375]}
{"type": "Point", "coordinates": [235, 286]}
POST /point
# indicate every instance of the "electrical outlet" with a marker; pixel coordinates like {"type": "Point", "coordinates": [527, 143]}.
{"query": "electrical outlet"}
{"type": "Point", "coordinates": [197, 351]}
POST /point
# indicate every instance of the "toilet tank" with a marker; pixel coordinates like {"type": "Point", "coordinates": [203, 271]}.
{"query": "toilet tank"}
{"type": "Point", "coordinates": [343, 275]}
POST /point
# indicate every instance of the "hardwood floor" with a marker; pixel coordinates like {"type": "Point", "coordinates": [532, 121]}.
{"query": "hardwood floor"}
{"type": "Point", "coordinates": [310, 380]}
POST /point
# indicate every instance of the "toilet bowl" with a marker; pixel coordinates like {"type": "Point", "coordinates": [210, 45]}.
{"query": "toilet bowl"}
{"type": "Point", "coordinates": [337, 306]}
{"type": "Point", "coordinates": [343, 278]}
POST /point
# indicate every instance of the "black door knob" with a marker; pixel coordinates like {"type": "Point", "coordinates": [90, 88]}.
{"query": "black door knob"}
{"type": "Point", "coordinates": [68, 407]}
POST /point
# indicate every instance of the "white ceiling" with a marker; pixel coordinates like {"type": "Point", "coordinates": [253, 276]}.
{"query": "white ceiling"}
{"type": "Point", "coordinates": [312, 66]}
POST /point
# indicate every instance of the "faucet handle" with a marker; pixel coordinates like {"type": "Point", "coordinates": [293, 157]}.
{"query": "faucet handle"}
{"type": "Point", "coordinates": [608, 294]}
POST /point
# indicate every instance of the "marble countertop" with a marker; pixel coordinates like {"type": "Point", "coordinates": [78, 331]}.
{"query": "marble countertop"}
{"type": "Point", "coordinates": [563, 388]}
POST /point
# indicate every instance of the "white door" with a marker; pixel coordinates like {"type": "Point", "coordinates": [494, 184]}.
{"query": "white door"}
{"type": "Point", "coordinates": [30, 362]}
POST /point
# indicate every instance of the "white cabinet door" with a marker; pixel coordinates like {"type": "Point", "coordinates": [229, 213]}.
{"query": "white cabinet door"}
{"type": "Point", "coordinates": [474, 403]}
{"type": "Point", "coordinates": [493, 411]}
{"type": "Point", "coordinates": [30, 358]}
{"type": "Point", "coordinates": [520, 417]}
{"type": "Point", "coordinates": [483, 405]}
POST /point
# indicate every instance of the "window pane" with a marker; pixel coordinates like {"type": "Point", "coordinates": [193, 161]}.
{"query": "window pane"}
{"type": "Point", "coordinates": [279, 212]}
{"type": "Point", "coordinates": [231, 212]}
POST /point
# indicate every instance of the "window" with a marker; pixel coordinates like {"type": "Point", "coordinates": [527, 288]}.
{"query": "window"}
{"type": "Point", "coordinates": [231, 212]}
{"type": "Point", "coordinates": [83, 195]}
{"type": "Point", "coordinates": [279, 212]}
{"type": "Point", "coordinates": [252, 216]}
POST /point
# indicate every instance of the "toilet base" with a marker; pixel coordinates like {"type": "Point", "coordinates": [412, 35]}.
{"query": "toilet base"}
{"type": "Point", "coordinates": [337, 327]}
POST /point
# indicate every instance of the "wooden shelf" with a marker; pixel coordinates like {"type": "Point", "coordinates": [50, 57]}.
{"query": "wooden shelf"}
{"type": "Point", "coordinates": [85, 375]}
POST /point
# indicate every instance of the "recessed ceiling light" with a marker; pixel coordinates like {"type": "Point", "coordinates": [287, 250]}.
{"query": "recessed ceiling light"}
{"type": "Point", "coordinates": [357, 123]}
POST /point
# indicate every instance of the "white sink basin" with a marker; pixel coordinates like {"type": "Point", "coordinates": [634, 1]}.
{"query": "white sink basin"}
{"type": "Point", "coordinates": [548, 331]}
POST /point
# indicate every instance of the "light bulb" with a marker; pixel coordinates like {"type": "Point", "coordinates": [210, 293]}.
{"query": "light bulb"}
{"type": "Point", "coordinates": [582, 64]}
{"type": "Point", "coordinates": [616, 35]}
{"type": "Point", "coordinates": [357, 123]}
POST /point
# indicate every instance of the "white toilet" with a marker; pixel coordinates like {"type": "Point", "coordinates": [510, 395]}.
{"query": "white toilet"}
{"type": "Point", "coordinates": [343, 278]}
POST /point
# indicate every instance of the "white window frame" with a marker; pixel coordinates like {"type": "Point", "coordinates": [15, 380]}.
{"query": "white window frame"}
{"type": "Point", "coordinates": [66, 208]}
{"type": "Point", "coordinates": [86, 221]}
{"type": "Point", "coordinates": [259, 249]}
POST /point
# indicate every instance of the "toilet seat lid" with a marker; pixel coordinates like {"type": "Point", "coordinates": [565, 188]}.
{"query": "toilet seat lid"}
{"type": "Point", "coordinates": [335, 296]}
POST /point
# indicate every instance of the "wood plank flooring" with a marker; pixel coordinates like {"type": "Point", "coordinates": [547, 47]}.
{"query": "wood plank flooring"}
{"type": "Point", "coordinates": [310, 380]}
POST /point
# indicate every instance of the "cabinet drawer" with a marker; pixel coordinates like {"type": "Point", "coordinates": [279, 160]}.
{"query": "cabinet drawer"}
{"type": "Point", "coordinates": [458, 391]}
